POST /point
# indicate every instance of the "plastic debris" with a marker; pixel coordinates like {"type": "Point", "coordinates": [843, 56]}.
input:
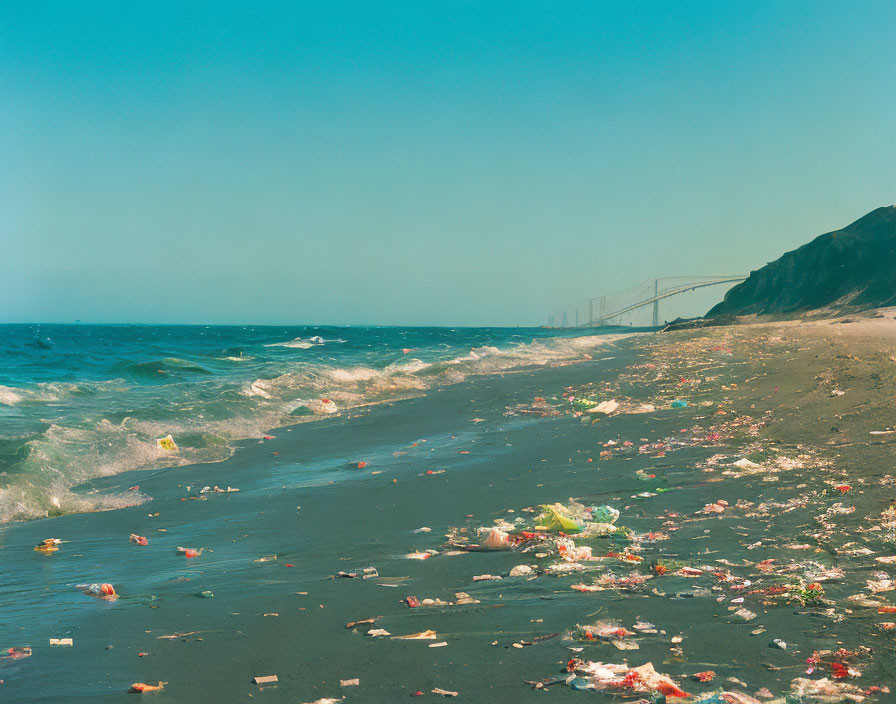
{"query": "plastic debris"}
{"type": "Point", "coordinates": [48, 546]}
{"type": "Point", "coordinates": [605, 407]}
{"type": "Point", "coordinates": [144, 688]}
{"type": "Point", "coordinates": [102, 590]}
{"type": "Point", "coordinates": [609, 676]}
{"type": "Point", "coordinates": [494, 539]}
{"type": "Point", "coordinates": [521, 571]}
{"type": "Point", "coordinates": [18, 652]}
{"type": "Point", "coordinates": [422, 635]}
{"type": "Point", "coordinates": [167, 443]}
{"type": "Point", "coordinates": [365, 573]}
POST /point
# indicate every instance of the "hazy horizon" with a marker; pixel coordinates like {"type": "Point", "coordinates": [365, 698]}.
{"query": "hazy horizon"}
{"type": "Point", "coordinates": [424, 164]}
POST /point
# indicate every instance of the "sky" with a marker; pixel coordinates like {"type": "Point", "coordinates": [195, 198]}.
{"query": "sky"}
{"type": "Point", "coordinates": [431, 163]}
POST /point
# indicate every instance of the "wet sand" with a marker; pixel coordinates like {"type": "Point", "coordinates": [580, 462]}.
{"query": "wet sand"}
{"type": "Point", "coordinates": [767, 391]}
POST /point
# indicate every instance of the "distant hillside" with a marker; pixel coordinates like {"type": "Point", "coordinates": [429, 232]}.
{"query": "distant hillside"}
{"type": "Point", "coordinates": [852, 268]}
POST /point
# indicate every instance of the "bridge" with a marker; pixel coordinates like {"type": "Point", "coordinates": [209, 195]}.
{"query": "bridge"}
{"type": "Point", "coordinates": [612, 309]}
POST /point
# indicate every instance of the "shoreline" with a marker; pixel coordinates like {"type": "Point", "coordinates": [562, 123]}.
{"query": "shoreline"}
{"type": "Point", "coordinates": [101, 436]}
{"type": "Point", "coordinates": [767, 373]}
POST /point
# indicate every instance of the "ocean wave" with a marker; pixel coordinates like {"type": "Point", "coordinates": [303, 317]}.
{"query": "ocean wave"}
{"type": "Point", "coordinates": [162, 370]}
{"type": "Point", "coordinates": [60, 458]}
{"type": "Point", "coordinates": [44, 392]}
{"type": "Point", "coordinates": [107, 427]}
{"type": "Point", "coordinates": [9, 396]}
{"type": "Point", "coordinates": [304, 344]}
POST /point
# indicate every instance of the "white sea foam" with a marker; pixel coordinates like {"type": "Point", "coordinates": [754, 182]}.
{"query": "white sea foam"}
{"type": "Point", "coordinates": [9, 396]}
{"type": "Point", "coordinates": [43, 392]}
{"type": "Point", "coordinates": [209, 418]}
{"type": "Point", "coordinates": [303, 344]}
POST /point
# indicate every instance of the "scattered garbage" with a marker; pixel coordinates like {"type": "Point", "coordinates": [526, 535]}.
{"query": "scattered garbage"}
{"type": "Point", "coordinates": [18, 652]}
{"type": "Point", "coordinates": [48, 546]}
{"type": "Point", "coordinates": [103, 590]}
{"type": "Point", "coordinates": [610, 676]}
{"type": "Point", "coordinates": [167, 443]}
{"type": "Point", "coordinates": [143, 688]}
{"type": "Point", "coordinates": [711, 548]}
{"type": "Point", "coordinates": [365, 573]}
{"type": "Point", "coordinates": [605, 407]}
{"type": "Point", "coordinates": [422, 635]}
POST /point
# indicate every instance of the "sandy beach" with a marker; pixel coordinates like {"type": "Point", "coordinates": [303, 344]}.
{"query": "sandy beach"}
{"type": "Point", "coordinates": [767, 481]}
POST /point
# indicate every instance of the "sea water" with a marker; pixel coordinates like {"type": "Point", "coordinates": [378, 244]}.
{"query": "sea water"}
{"type": "Point", "coordinates": [79, 402]}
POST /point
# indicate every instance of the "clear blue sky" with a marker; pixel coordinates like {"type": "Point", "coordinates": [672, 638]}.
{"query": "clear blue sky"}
{"type": "Point", "coordinates": [423, 162]}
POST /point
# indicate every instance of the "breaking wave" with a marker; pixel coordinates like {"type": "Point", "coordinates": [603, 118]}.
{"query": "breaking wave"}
{"type": "Point", "coordinates": [57, 434]}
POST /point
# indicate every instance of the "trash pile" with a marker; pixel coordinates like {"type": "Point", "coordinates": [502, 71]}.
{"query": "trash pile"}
{"type": "Point", "coordinates": [621, 678]}
{"type": "Point", "coordinates": [774, 505]}
{"type": "Point", "coordinates": [553, 533]}
{"type": "Point", "coordinates": [740, 536]}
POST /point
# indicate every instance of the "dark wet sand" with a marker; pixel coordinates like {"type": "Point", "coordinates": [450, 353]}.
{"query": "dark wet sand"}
{"type": "Point", "coordinates": [362, 519]}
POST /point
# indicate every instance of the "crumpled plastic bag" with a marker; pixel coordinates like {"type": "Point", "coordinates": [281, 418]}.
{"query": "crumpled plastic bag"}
{"type": "Point", "coordinates": [558, 517]}
{"type": "Point", "coordinates": [570, 552]}
{"type": "Point", "coordinates": [825, 691]}
{"type": "Point", "coordinates": [596, 530]}
{"type": "Point", "coordinates": [604, 514]}
{"type": "Point", "coordinates": [606, 407]}
{"type": "Point", "coordinates": [645, 678]}
{"type": "Point", "coordinates": [493, 539]}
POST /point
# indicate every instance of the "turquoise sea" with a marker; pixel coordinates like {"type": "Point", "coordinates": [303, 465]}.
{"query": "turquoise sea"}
{"type": "Point", "coordinates": [79, 402]}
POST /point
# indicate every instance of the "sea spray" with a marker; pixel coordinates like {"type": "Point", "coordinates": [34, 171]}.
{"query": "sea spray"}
{"type": "Point", "coordinates": [92, 401]}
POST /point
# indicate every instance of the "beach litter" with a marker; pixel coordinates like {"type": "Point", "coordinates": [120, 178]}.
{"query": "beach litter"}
{"type": "Point", "coordinates": [48, 546]}
{"type": "Point", "coordinates": [364, 573]}
{"type": "Point", "coordinates": [102, 590]}
{"type": "Point", "coordinates": [167, 443]}
{"type": "Point", "coordinates": [422, 635]}
{"type": "Point", "coordinates": [18, 652]}
{"type": "Point", "coordinates": [610, 676]}
{"type": "Point", "coordinates": [605, 407]}
{"type": "Point", "coordinates": [144, 688]}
